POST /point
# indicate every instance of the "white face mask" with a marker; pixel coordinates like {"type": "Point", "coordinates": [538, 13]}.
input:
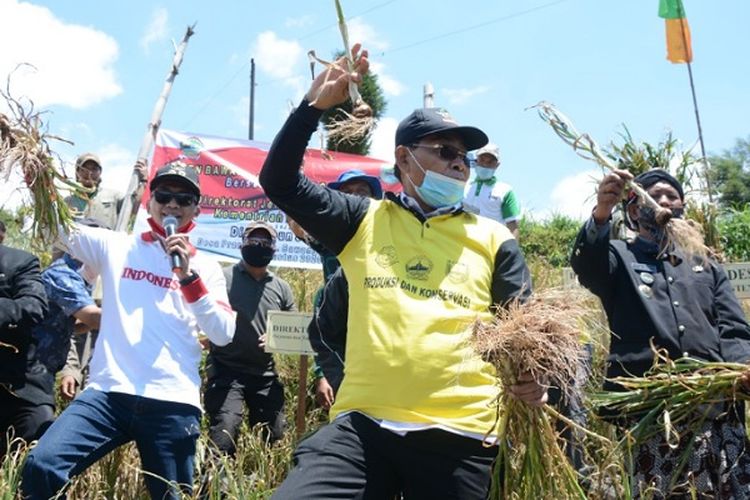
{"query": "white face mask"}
{"type": "Point", "coordinates": [484, 173]}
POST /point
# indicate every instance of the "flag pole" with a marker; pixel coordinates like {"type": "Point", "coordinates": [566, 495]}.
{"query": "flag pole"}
{"type": "Point", "coordinates": [133, 194]}
{"type": "Point", "coordinates": [704, 160]}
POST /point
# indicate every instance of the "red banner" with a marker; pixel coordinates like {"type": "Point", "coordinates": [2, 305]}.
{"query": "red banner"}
{"type": "Point", "coordinates": [231, 195]}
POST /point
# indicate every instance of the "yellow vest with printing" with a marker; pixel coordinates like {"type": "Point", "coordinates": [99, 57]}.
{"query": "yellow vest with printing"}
{"type": "Point", "coordinates": [414, 291]}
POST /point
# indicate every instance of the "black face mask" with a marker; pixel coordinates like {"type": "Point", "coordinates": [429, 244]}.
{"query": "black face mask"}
{"type": "Point", "coordinates": [257, 256]}
{"type": "Point", "coordinates": [647, 220]}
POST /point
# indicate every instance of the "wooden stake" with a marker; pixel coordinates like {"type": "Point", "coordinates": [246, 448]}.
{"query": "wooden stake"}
{"type": "Point", "coordinates": [301, 395]}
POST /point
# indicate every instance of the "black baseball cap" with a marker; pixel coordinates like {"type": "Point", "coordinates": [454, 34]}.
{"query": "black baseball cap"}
{"type": "Point", "coordinates": [427, 121]}
{"type": "Point", "coordinates": [180, 172]}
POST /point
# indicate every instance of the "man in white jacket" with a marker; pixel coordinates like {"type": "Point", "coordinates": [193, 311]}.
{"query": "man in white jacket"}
{"type": "Point", "coordinates": [144, 381]}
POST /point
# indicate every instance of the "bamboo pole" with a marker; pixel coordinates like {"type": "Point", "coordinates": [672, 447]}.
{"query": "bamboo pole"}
{"type": "Point", "coordinates": [689, 59]}
{"type": "Point", "coordinates": [133, 194]}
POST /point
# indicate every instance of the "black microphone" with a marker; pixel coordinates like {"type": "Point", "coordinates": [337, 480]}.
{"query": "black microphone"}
{"type": "Point", "coordinates": [170, 227]}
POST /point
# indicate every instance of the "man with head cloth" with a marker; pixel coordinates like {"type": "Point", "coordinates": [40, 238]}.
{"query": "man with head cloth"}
{"type": "Point", "coordinates": [657, 295]}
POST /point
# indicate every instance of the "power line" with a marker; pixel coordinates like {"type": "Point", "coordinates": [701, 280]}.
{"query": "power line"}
{"type": "Point", "coordinates": [383, 53]}
{"type": "Point", "coordinates": [326, 28]}
{"type": "Point", "coordinates": [473, 27]}
{"type": "Point", "coordinates": [214, 96]}
{"type": "Point", "coordinates": [450, 33]}
{"type": "Point", "coordinates": [246, 64]}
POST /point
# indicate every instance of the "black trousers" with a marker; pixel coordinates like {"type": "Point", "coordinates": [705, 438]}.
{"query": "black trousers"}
{"type": "Point", "coordinates": [353, 457]}
{"type": "Point", "coordinates": [225, 399]}
{"type": "Point", "coordinates": [22, 419]}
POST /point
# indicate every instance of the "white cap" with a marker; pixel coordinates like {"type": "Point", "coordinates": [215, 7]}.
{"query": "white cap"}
{"type": "Point", "coordinates": [490, 149]}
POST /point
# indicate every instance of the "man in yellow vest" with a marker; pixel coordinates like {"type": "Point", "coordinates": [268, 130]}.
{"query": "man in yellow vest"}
{"type": "Point", "coordinates": [416, 401]}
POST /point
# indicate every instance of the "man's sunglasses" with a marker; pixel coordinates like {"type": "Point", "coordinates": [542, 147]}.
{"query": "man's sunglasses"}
{"type": "Point", "coordinates": [182, 199]}
{"type": "Point", "coordinates": [444, 151]}
{"type": "Point", "coordinates": [259, 242]}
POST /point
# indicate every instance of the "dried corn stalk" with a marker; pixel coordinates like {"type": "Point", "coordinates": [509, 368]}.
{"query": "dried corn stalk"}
{"type": "Point", "coordinates": [349, 126]}
{"type": "Point", "coordinates": [539, 337]}
{"type": "Point", "coordinates": [24, 147]}
{"type": "Point", "coordinates": [686, 234]}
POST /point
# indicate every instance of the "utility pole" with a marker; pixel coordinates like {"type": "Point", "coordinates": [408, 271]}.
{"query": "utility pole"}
{"type": "Point", "coordinates": [251, 121]}
{"type": "Point", "coordinates": [428, 95]}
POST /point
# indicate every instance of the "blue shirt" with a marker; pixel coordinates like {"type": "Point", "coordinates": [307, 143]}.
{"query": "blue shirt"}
{"type": "Point", "coordinates": [67, 293]}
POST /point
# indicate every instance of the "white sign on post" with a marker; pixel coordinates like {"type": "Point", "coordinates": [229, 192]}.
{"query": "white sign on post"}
{"type": "Point", "coordinates": [738, 273]}
{"type": "Point", "coordinates": [286, 333]}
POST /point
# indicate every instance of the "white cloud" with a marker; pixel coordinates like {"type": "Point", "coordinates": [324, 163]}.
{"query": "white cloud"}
{"type": "Point", "coordinates": [156, 30]}
{"type": "Point", "coordinates": [460, 96]}
{"type": "Point", "coordinates": [384, 139]}
{"type": "Point", "coordinates": [299, 22]}
{"type": "Point", "coordinates": [13, 192]}
{"type": "Point", "coordinates": [241, 111]}
{"type": "Point", "coordinates": [77, 130]}
{"type": "Point", "coordinates": [117, 165]}
{"type": "Point", "coordinates": [390, 85]}
{"type": "Point", "coordinates": [278, 57]}
{"type": "Point", "coordinates": [74, 64]}
{"type": "Point", "coordinates": [299, 85]}
{"type": "Point", "coordinates": [360, 32]}
{"type": "Point", "coordinates": [284, 110]}
{"type": "Point", "coordinates": [574, 196]}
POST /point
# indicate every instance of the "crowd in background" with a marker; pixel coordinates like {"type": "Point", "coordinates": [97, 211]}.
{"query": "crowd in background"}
{"type": "Point", "coordinates": [117, 322]}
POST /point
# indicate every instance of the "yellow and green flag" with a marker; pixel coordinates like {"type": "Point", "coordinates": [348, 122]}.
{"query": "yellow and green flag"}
{"type": "Point", "coordinates": [679, 49]}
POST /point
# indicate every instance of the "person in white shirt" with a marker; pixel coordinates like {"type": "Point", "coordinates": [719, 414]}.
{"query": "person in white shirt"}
{"type": "Point", "coordinates": [488, 197]}
{"type": "Point", "coordinates": [144, 381]}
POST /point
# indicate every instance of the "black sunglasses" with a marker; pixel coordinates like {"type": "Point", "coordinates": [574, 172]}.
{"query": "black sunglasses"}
{"type": "Point", "coordinates": [444, 151]}
{"type": "Point", "coordinates": [182, 199]}
{"type": "Point", "coordinates": [259, 242]}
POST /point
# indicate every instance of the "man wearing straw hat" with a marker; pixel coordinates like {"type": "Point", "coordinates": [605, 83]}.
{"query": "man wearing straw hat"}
{"type": "Point", "coordinates": [415, 403]}
{"type": "Point", "coordinates": [656, 294]}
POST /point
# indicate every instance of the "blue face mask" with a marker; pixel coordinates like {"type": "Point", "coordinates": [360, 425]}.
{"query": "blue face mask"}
{"type": "Point", "coordinates": [484, 173]}
{"type": "Point", "coordinates": [438, 190]}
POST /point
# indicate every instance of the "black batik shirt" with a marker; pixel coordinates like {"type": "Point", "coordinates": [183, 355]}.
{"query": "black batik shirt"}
{"type": "Point", "coordinates": [685, 305]}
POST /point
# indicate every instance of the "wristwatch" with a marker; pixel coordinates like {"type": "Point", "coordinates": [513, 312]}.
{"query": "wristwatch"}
{"type": "Point", "coordinates": [193, 276]}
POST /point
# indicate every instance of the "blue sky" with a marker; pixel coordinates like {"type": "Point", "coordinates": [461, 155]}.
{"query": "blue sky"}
{"type": "Point", "coordinates": [101, 65]}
